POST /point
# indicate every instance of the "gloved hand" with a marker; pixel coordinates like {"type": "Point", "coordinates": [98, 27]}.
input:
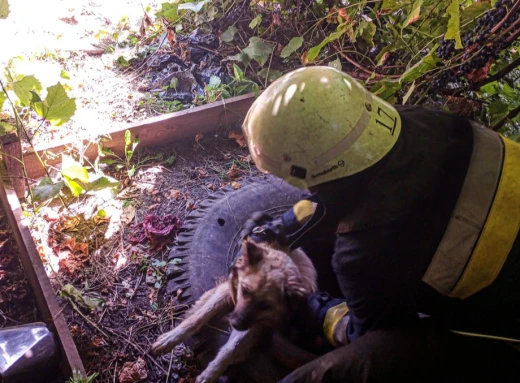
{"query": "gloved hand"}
{"type": "Point", "coordinates": [262, 227]}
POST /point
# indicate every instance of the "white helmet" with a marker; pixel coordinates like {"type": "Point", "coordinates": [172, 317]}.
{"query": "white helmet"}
{"type": "Point", "coordinates": [318, 124]}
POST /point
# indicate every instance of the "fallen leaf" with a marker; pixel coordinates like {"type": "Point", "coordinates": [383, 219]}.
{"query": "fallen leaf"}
{"type": "Point", "coordinates": [177, 195]}
{"type": "Point", "coordinates": [236, 185]}
{"type": "Point", "coordinates": [152, 206]}
{"type": "Point", "coordinates": [234, 172]}
{"type": "Point", "coordinates": [239, 138]}
{"type": "Point", "coordinates": [191, 206]}
{"type": "Point", "coordinates": [133, 372]}
{"type": "Point", "coordinates": [199, 137]}
{"type": "Point", "coordinates": [202, 172]}
{"type": "Point", "coordinates": [128, 214]}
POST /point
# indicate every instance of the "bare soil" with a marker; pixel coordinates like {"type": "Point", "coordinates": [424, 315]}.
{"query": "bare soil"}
{"type": "Point", "coordinates": [95, 255]}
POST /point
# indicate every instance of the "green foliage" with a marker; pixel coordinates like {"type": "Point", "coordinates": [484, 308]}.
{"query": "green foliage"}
{"type": "Point", "coordinates": [229, 34]}
{"type": "Point", "coordinates": [77, 377]}
{"type": "Point", "coordinates": [292, 46]}
{"type": "Point", "coordinates": [85, 300]}
{"type": "Point", "coordinates": [258, 50]}
{"type": "Point", "coordinates": [57, 108]}
{"type": "Point", "coordinates": [453, 30]}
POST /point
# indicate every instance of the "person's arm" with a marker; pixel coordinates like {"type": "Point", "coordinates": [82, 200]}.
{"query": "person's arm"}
{"type": "Point", "coordinates": [377, 280]}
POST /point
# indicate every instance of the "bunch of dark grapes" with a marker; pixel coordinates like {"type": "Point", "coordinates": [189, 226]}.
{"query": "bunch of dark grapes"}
{"type": "Point", "coordinates": [485, 50]}
{"type": "Point", "coordinates": [446, 49]}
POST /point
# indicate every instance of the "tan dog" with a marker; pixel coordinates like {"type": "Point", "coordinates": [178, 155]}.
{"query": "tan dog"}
{"type": "Point", "coordinates": [263, 285]}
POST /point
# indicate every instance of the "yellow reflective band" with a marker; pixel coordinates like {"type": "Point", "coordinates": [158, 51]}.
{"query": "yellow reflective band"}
{"type": "Point", "coordinates": [303, 211]}
{"type": "Point", "coordinates": [499, 232]}
{"type": "Point", "coordinates": [333, 316]}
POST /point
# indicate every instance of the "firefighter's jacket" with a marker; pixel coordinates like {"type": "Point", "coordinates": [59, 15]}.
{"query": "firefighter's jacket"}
{"type": "Point", "coordinates": [432, 228]}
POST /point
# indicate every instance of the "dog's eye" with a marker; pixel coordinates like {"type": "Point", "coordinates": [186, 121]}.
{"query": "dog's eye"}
{"type": "Point", "coordinates": [245, 292]}
{"type": "Point", "coordinates": [264, 305]}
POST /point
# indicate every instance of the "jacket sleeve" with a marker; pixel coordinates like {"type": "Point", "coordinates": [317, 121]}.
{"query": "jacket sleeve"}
{"type": "Point", "coordinates": [379, 284]}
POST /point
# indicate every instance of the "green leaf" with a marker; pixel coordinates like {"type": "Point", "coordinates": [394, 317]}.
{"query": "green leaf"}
{"type": "Point", "coordinates": [258, 50]}
{"type": "Point", "coordinates": [228, 35]}
{"type": "Point", "coordinates": [5, 128]}
{"type": "Point", "coordinates": [474, 11]}
{"type": "Point", "coordinates": [273, 74]}
{"type": "Point", "coordinates": [46, 189]}
{"type": "Point", "coordinates": [64, 74]}
{"type": "Point", "coordinates": [409, 93]}
{"type": "Point", "coordinates": [195, 7]}
{"type": "Point", "coordinates": [453, 31]}
{"type": "Point", "coordinates": [315, 51]}
{"type": "Point", "coordinates": [169, 12]}
{"type": "Point", "coordinates": [4, 9]}
{"type": "Point", "coordinates": [256, 21]}
{"type": "Point", "coordinates": [57, 108]}
{"type": "Point", "coordinates": [336, 64]}
{"type": "Point", "coordinates": [367, 31]}
{"type": "Point", "coordinates": [242, 57]}
{"type": "Point", "coordinates": [239, 74]}
{"type": "Point", "coordinates": [84, 300]}
{"type": "Point", "coordinates": [425, 64]}
{"type": "Point", "coordinates": [72, 171]}
{"type": "Point", "coordinates": [381, 56]}
{"type": "Point", "coordinates": [23, 89]}
{"type": "Point", "coordinates": [291, 47]}
{"type": "Point", "coordinates": [101, 183]}
{"type": "Point", "coordinates": [414, 14]}
{"type": "Point", "coordinates": [101, 213]}
{"type": "Point", "coordinates": [491, 88]}
{"type": "Point", "coordinates": [122, 62]}
{"type": "Point", "coordinates": [3, 97]}
{"type": "Point", "coordinates": [497, 107]}
{"type": "Point", "coordinates": [128, 138]}
{"type": "Point", "coordinates": [392, 4]}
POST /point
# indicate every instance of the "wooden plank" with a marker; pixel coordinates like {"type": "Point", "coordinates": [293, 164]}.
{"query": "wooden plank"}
{"type": "Point", "coordinates": [12, 154]}
{"type": "Point", "coordinates": [44, 295]}
{"type": "Point", "coordinates": [155, 131]}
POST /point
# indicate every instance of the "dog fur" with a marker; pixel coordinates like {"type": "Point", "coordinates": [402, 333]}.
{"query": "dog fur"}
{"type": "Point", "coordinates": [265, 284]}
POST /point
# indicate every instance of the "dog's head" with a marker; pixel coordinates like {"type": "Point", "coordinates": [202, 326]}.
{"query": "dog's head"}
{"type": "Point", "coordinates": [265, 285]}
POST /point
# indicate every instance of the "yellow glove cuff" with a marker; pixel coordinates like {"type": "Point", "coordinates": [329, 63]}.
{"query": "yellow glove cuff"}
{"type": "Point", "coordinates": [333, 316]}
{"type": "Point", "coordinates": [304, 210]}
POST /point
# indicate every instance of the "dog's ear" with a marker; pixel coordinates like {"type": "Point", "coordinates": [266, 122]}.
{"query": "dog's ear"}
{"type": "Point", "coordinates": [233, 284]}
{"type": "Point", "coordinates": [251, 252]}
{"type": "Point", "coordinates": [293, 286]}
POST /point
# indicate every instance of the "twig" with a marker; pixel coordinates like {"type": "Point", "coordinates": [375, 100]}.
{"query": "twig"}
{"type": "Point", "coordinates": [76, 308]}
{"type": "Point", "coordinates": [506, 17]}
{"type": "Point", "coordinates": [512, 114]}
{"type": "Point", "coordinates": [344, 55]}
{"type": "Point", "coordinates": [170, 366]}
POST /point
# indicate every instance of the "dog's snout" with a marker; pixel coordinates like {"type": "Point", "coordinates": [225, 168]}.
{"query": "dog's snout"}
{"type": "Point", "coordinates": [238, 322]}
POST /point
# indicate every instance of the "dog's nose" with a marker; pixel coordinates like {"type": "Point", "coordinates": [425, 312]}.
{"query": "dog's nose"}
{"type": "Point", "coordinates": [238, 323]}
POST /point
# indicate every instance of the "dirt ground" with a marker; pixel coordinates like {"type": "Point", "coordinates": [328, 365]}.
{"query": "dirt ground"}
{"type": "Point", "coordinates": [101, 258]}
{"type": "Point", "coordinates": [58, 34]}
{"type": "Point", "coordinates": [17, 305]}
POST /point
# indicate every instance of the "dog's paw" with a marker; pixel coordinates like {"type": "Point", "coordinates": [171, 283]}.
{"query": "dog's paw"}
{"type": "Point", "coordinates": [206, 377]}
{"type": "Point", "coordinates": [166, 342]}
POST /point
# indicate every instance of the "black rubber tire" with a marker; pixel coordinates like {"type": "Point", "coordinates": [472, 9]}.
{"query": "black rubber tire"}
{"type": "Point", "coordinates": [209, 240]}
{"type": "Point", "coordinates": [207, 246]}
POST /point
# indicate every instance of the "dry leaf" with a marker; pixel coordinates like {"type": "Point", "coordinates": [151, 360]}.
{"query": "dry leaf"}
{"type": "Point", "coordinates": [239, 138]}
{"type": "Point", "coordinates": [234, 172]}
{"type": "Point", "coordinates": [202, 172]}
{"type": "Point", "coordinates": [199, 137]}
{"type": "Point", "coordinates": [177, 195]}
{"type": "Point", "coordinates": [152, 206]}
{"type": "Point", "coordinates": [128, 214]}
{"type": "Point", "coordinates": [481, 73]}
{"type": "Point", "coordinates": [236, 185]}
{"type": "Point", "coordinates": [133, 372]}
{"type": "Point", "coordinates": [191, 206]}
